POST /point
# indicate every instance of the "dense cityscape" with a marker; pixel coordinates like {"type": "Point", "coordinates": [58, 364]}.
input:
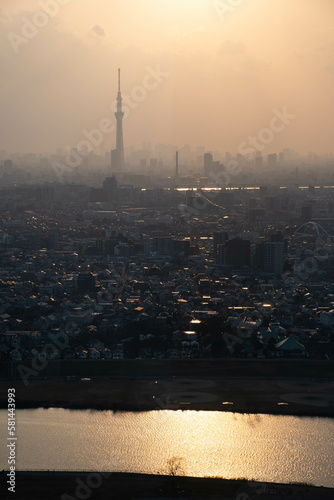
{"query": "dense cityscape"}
{"type": "Point", "coordinates": [166, 273]}
{"type": "Point", "coordinates": [167, 250]}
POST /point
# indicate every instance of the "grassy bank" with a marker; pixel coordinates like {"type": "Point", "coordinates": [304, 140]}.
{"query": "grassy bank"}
{"type": "Point", "coordinates": [203, 368]}
{"type": "Point", "coordinates": [291, 387]}
{"type": "Point", "coordinates": [121, 486]}
{"type": "Point", "coordinates": [305, 397]}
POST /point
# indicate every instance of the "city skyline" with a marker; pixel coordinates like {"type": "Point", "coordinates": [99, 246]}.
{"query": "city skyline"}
{"type": "Point", "coordinates": [211, 77]}
{"type": "Point", "coordinates": [167, 249]}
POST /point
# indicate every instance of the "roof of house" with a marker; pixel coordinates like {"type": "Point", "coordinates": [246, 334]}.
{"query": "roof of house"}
{"type": "Point", "coordinates": [290, 344]}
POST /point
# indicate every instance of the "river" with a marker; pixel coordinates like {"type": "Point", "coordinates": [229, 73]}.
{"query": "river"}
{"type": "Point", "coordinates": [262, 447]}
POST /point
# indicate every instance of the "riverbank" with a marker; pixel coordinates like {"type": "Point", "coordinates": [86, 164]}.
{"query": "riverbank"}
{"type": "Point", "coordinates": [123, 486]}
{"type": "Point", "coordinates": [167, 368]}
{"type": "Point", "coordinates": [303, 397]}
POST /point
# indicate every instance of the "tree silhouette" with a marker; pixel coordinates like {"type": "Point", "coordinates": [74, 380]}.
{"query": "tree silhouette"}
{"type": "Point", "coordinates": [175, 468]}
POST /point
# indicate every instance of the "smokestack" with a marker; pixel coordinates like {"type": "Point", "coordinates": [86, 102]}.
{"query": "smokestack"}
{"type": "Point", "coordinates": [177, 164]}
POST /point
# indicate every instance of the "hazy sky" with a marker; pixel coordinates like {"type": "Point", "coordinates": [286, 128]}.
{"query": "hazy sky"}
{"type": "Point", "coordinates": [228, 68]}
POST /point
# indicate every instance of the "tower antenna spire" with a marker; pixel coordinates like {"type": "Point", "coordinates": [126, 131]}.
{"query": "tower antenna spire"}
{"type": "Point", "coordinates": [117, 159]}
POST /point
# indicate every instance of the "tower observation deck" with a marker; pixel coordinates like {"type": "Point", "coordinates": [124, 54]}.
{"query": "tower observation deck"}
{"type": "Point", "coordinates": [117, 155]}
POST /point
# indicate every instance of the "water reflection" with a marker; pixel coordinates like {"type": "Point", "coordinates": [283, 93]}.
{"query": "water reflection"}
{"type": "Point", "coordinates": [262, 447]}
{"type": "Point", "coordinates": [249, 418]}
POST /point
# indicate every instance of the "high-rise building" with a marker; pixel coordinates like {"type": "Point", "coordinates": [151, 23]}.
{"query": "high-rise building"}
{"type": "Point", "coordinates": [238, 252]}
{"type": "Point", "coordinates": [272, 160]}
{"type": "Point", "coordinates": [117, 155]}
{"type": "Point", "coordinates": [153, 164]}
{"type": "Point", "coordinates": [163, 245]}
{"type": "Point", "coordinates": [276, 237]}
{"type": "Point", "coordinates": [208, 163]}
{"type": "Point", "coordinates": [235, 253]}
{"type": "Point", "coordinates": [258, 161]}
{"type": "Point", "coordinates": [253, 203]}
{"type": "Point", "coordinates": [8, 165]}
{"type": "Point", "coordinates": [142, 165]}
{"type": "Point", "coordinates": [219, 238]}
{"type": "Point", "coordinates": [273, 257]}
{"type": "Point", "coordinates": [269, 257]}
{"type": "Point", "coordinates": [306, 213]}
{"type": "Point", "coordinates": [181, 247]}
{"type": "Point", "coordinates": [110, 188]}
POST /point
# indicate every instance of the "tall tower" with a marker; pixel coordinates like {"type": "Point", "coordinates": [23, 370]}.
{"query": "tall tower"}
{"type": "Point", "coordinates": [117, 157]}
{"type": "Point", "coordinates": [177, 164]}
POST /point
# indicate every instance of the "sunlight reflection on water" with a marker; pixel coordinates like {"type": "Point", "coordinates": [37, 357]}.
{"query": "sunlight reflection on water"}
{"type": "Point", "coordinates": [262, 447]}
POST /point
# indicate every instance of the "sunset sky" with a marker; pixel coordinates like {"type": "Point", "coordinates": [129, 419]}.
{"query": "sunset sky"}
{"type": "Point", "coordinates": [226, 72]}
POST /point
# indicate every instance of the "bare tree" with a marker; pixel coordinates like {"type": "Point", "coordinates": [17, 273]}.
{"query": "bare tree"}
{"type": "Point", "coordinates": [175, 468]}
